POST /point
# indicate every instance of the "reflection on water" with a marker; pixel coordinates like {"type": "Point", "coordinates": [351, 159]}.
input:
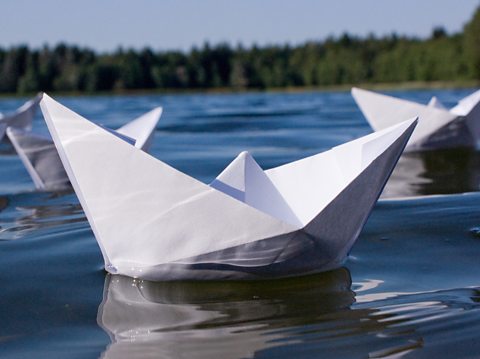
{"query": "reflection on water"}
{"type": "Point", "coordinates": [213, 320]}
{"type": "Point", "coordinates": [306, 316]}
{"type": "Point", "coordinates": [442, 324]}
{"type": "Point", "coordinates": [435, 172]}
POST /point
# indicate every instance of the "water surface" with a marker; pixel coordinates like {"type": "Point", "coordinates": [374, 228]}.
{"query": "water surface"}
{"type": "Point", "coordinates": [410, 288]}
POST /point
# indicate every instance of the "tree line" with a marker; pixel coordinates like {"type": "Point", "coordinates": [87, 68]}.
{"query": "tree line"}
{"type": "Point", "coordinates": [343, 60]}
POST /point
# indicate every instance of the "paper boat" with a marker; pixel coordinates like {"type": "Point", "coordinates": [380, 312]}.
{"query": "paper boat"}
{"type": "Point", "coordinates": [155, 222]}
{"type": "Point", "coordinates": [40, 157]}
{"type": "Point", "coordinates": [437, 127]}
{"type": "Point", "coordinates": [21, 118]}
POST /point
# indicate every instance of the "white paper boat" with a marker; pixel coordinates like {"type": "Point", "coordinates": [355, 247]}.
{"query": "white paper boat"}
{"type": "Point", "coordinates": [40, 157]}
{"type": "Point", "coordinates": [21, 118]}
{"type": "Point", "coordinates": [154, 222]}
{"type": "Point", "coordinates": [437, 127]}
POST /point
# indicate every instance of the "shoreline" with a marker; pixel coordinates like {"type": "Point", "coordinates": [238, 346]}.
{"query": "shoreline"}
{"type": "Point", "coordinates": [394, 86]}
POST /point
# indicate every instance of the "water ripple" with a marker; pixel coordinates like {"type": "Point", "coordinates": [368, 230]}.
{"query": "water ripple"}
{"type": "Point", "coordinates": [410, 288]}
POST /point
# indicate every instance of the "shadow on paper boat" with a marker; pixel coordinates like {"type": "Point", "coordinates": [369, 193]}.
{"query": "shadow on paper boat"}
{"type": "Point", "coordinates": [213, 319]}
{"type": "Point", "coordinates": [435, 172]}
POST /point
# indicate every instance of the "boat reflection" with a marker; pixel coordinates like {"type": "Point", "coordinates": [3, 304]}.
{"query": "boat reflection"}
{"type": "Point", "coordinates": [215, 319]}
{"type": "Point", "coordinates": [435, 172]}
{"type": "Point", "coordinates": [314, 314]}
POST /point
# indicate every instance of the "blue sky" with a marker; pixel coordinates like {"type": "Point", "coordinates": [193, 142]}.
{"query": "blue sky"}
{"type": "Point", "coordinates": [180, 24]}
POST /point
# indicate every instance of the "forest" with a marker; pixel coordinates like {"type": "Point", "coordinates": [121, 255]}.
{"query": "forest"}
{"type": "Point", "coordinates": [342, 60]}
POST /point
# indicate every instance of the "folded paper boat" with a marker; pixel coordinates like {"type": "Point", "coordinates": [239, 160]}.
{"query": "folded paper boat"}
{"type": "Point", "coordinates": [41, 159]}
{"type": "Point", "coordinates": [154, 222]}
{"type": "Point", "coordinates": [21, 118]}
{"type": "Point", "coordinates": [438, 127]}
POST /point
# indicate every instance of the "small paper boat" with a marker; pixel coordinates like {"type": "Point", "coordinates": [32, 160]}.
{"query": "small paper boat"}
{"type": "Point", "coordinates": [40, 157]}
{"type": "Point", "coordinates": [154, 222]}
{"type": "Point", "coordinates": [437, 127]}
{"type": "Point", "coordinates": [21, 118]}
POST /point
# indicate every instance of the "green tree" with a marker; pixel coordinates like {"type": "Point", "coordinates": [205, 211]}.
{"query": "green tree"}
{"type": "Point", "coordinates": [472, 45]}
{"type": "Point", "coordinates": [346, 59]}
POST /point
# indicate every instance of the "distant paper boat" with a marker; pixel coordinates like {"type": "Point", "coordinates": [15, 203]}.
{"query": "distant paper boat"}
{"type": "Point", "coordinates": [21, 118]}
{"type": "Point", "coordinates": [153, 222]}
{"type": "Point", "coordinates": [41, 159]}
{"type": "Point", "coordinates": [438, 127]}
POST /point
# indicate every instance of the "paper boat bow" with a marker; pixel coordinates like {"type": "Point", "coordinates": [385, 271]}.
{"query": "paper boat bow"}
{"type": "Point", "coordinates": [154, 222]}
{"type": "Point", "coordinates": [40, 157]}
{"type": "Point", "coordinates": [437, 127]}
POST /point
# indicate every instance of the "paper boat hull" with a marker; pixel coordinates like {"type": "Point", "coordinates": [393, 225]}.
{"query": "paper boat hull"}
{"type": "Point", "coordinates": [320, 246]}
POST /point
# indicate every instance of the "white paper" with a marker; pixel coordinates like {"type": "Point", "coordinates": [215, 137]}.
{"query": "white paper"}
{"type": "Point", "coordinates": [437, 127]}
{"type": "Point", "coordinates": [154, 222]}
{"type": "Point", "coordinates": [142, 128]}
{"type": "Point", "coordinates": [435, 102]}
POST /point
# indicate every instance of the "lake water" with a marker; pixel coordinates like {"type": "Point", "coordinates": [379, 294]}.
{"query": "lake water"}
{"type": "Point", "coordinates": [410, 289]}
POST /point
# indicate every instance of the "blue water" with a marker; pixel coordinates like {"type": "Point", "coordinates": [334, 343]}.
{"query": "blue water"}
{"type": "Point", "coordinates": [410, 289]}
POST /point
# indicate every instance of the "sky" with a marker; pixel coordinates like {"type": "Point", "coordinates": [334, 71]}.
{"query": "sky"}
{"type": "Point", "coordinates": [104, 25]}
